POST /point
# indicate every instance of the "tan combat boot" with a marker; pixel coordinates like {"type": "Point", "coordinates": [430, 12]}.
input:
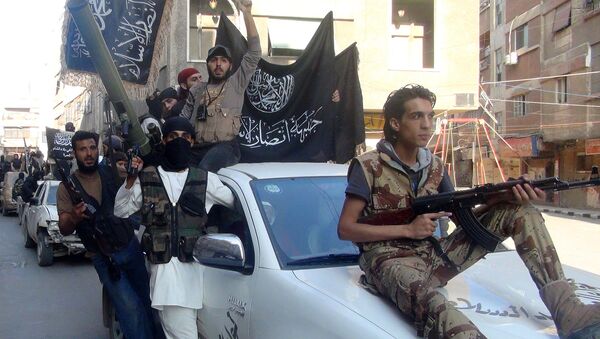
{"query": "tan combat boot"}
{"type": "Point", "coordinates": [573, 319]}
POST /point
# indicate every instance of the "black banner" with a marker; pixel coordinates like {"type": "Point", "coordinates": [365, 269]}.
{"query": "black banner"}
{"type": "Point", "coordinates": [129, 29]}
{"type": "Point", "coordinates": [288, 114]}
{"type": "Point", "coordinates": [59, 144]}
{"type": "Point", "coordinates": [350, 116]}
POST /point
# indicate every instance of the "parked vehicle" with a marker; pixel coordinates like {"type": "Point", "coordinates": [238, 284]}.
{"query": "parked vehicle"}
{"type": "Point", "coordinates": [275, 268]}
{"type": "Point", "coordinates": [40, 226]}
{"type": "Point", "coordinates": [8, 203]}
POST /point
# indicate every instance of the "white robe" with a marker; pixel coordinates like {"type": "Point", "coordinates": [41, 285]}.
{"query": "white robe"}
{"type": "Point", "coordinates": [174, 283]}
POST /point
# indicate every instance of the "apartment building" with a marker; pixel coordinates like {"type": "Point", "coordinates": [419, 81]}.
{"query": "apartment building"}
{"type": "Point", "coordinates": [539, 64]}
{"type": "Point", "coordinates": [19, 127]}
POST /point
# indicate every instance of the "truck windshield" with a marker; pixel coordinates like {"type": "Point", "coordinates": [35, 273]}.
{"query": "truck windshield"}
{"type": "Point", "coordinates": [51, 200]}
{"type": "Point", "coordinates": [301, 216]}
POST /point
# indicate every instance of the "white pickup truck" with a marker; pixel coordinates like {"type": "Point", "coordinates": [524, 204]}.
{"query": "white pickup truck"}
{"type": "Point", "coordinates": [275, 268]}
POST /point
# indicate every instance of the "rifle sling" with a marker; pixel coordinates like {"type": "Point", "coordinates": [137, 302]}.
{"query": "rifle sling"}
{"type": "Point", "coordinates": [440, 251]}
{"type": "Point", "coordinates": [475, 230]}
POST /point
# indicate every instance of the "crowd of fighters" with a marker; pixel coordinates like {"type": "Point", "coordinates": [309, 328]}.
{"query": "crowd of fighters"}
{"type": "Point", "coordinates": [171, 191]}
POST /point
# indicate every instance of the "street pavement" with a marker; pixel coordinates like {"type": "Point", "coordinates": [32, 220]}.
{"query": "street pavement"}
{"type": "Point", "coordinates": [60, 301]}
{"type": "Point", "coordinates": [64, 300]}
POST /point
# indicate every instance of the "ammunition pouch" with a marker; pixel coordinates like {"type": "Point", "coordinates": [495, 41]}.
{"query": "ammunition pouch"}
{"type": "Point", "coordinates": [186, 248]}
{"type": "Point", "coordinates": [157, 247]}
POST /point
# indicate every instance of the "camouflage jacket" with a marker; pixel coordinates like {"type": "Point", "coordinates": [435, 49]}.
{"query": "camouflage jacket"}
{"type": "Point", "coordinates": [172, 229]}
{"type": "Point", "coordinates": [391, 187]}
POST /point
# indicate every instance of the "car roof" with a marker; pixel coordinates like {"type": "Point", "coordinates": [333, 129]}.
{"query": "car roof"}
{"type": "Point", "coordinates": [271, 170]}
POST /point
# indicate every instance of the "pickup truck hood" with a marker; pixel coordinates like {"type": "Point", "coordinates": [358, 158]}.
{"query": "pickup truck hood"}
{"type": "Point", "coordinates": [497, 294]}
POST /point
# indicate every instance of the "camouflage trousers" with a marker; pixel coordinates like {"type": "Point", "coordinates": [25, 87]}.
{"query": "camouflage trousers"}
{"type": "Point", "coordinates": [408, 271]}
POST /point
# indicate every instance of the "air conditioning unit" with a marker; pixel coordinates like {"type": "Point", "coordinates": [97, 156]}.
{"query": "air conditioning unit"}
{"type": "Point", "coordinates": [511, 59]}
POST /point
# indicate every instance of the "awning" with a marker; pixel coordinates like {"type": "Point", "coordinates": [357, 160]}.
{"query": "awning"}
{"type": "Point", "coordinates": [529, 146]}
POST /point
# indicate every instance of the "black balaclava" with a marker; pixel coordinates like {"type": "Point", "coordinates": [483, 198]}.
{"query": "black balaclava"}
{"type": "Point", "coordinates": [176, 155]}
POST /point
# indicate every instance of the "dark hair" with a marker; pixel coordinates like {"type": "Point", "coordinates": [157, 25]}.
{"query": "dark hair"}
{"type": "Point", "coordinates": [394, 105]}
{"type": "Point", "coordinates": [83, 135]}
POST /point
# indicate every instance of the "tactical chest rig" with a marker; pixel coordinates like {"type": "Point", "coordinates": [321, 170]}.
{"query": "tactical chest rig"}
{"type": "Point", "coordinates": [172, 229]}
{"type": "Point", "coordinates": [391, 189]}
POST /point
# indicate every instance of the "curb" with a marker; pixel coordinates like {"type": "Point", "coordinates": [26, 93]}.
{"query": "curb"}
{"type": "Point", "coordinates": [584, 214]}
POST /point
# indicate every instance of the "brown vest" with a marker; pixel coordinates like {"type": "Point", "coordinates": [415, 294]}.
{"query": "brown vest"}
{"type": "Point", "coordinates": [391, 188]}
{"type": "Point", "coordinates": [222, 121]}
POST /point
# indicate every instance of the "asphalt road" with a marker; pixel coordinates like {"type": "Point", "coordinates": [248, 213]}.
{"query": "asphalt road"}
{"type": "Point", "coordinates": [64, 300]}
{"type": "Point", "coordinates": [59, 301]}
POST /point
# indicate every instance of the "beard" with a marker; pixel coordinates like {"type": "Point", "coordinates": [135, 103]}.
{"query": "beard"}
{"type": "Point", "coordinates": [217, 79]}
{"type": "Point", "coordinates": [87, 169]}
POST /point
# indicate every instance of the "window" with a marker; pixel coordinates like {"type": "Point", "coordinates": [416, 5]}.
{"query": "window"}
{"type": "Point", "coordinates": [499, 59]}
{"type": "Point", "coordinates": [595, 80]}
{"type": "Point", "coordinates": [562, 17]}
{"type": "Point", "coordinates": [412, 40]}
{"type": "Point", "coordinates": [290, 37]}
{"type": "Point", "coordinates": [520, 37]}
{"type": "Point", "coordinates": [591, 5]}
{"type": "Point", "coordinates": [203, 18]}
{"type": "Point", "coordinates": [561, 90]}
{"type": "Point", "coordinates": [519, 106]}
{"type": "Point", "coordinates": [297, 235]}
{"type": "Point", "coordinates": [13, 133]}
{"type": "Point", "coordinates": [464, 99]}
{"type": "Point", "coordinates": [499, 12]}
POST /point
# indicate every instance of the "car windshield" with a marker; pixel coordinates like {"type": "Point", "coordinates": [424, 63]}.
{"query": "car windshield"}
{"type": "Point", "coordinates": [51, 200]}
{"type": "Point", "coordinates": [301, 216]}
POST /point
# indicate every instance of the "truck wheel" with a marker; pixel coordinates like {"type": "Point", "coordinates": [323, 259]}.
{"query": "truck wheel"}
{"type": "Point", "coordinates": [29, 243]}
{"type": "Point", "coordinates": [45, 253]}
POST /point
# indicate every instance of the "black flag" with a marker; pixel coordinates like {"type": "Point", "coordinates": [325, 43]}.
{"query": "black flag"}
{"type": "Point", "coordinates": [288, 114]}
{"type": "Point", "coordinates": [59, 144]}
{"type": "Point", "coordinates": [130, 30]}
{"type": "Point", "coordinates": [350, 123]}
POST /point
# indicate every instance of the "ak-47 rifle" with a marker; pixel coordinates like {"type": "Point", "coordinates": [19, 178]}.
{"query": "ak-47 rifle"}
{"type": "Point", "coordinates": [460, 203]}
{"type": "Point", "coordinates": [74, 194]}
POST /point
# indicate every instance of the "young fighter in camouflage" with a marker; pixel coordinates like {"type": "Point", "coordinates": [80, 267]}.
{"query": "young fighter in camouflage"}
{"type": "Point", "coordinates": [405, 267]}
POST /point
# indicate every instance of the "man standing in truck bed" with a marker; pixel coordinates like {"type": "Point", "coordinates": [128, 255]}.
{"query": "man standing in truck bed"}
{"type": "Point", "coordinates": [215, 107]}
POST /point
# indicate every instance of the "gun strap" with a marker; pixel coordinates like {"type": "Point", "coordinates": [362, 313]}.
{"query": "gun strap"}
{"type": "Point", "coordinates": [476, 231]}
{"type": "Point", "coordinates": [440, 251]}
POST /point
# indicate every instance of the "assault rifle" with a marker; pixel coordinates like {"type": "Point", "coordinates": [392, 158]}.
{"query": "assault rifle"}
{"type": "Point", "coordinates": [460, 203]}
{"type": "Point", "coordinates": [74, 194]}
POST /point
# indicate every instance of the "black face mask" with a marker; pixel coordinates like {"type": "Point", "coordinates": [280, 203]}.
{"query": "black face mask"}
{"type": "Point", "coordinates": [177, 154]}
{"type": "Point", "coordinates": [87, 169]}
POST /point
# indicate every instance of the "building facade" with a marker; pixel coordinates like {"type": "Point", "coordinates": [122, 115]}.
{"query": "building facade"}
{"type": "Point", "coordinates": [399, 42]}
{"type": "Point", "coordinates": [540, 66]}
{"type": "Point", "coordinates": [19, 129]}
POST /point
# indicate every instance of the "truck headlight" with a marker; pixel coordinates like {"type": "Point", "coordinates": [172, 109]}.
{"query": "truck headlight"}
{"type": "Point", "coordinates": [52, 225]}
